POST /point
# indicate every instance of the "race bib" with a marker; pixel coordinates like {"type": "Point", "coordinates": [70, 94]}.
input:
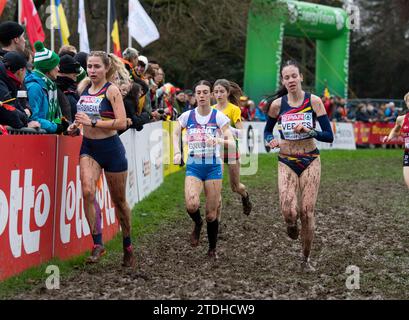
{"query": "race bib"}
{"type": "Point", "coordinates": [290, 121]}
{"type": "Point", "coordinates": [89, 105]}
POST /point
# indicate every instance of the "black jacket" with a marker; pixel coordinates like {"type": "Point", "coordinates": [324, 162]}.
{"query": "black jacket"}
{"type": "Point", "coordinates": [131, 108]}
{"type": "Point", "coordinates": [67, 97]}
{"type": "Point", "coordinates": [14, 115]}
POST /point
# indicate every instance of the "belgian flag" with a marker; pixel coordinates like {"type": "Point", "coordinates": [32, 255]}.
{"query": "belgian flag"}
{"type": "Point", "coordinates": [115, 31]}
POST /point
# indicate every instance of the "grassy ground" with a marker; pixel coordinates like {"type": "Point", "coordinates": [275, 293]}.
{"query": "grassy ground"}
{"type": "Point", "coordinates": [361, 219]}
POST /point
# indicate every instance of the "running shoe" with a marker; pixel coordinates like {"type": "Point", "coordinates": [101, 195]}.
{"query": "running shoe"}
{"type": "Point", "coordinates": [129, 258]}
{"type": "Point", "coordinates": [97, 252]}
{"type": "Point", "coordinates": [195, 235]}
{"type": "Point", "coordinates": [212, 254]}
{"type": "Point", "coordinates": [293, 231]}
{"type": "Point", "coordinates": [306, 265]}
{"type": "Point", "coordinates": [247, 205]}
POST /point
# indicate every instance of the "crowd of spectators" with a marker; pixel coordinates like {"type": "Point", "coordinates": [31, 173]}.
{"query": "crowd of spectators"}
{"type": "Point", "coordinates": [40, 90]}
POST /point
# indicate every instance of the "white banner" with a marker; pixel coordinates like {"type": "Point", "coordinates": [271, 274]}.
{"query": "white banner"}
{"type": "Point", "coordinates": [82, 28]}
{"type": "Point", "coordinates": [128, 139]}
{"type": "Point", "coordinates": [156, 154]}
{"type": "Point", "coordinates": [140, 25]}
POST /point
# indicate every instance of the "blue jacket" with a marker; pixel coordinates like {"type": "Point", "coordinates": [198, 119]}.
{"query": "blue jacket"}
{"type": "Point", "coordinates": [38, 100]}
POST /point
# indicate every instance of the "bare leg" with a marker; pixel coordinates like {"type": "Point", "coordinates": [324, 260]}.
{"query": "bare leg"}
{"type": "Point", "coordinates": [89, 173]}
{"type": "Point", "coordinates": [288, 187]}
{"type": "Point", "coordinates": [235, 184]}
{"type": "Point", "coordinates": [193, 189]}
{"type": "Point", "coordinates": [309, 184]}
{"type": "Point", "coordinates": [117, 189]}
{"type": "Point", "coordinates": [406, 175]}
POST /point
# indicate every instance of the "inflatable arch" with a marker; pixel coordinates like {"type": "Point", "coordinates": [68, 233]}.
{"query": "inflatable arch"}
{"type": "Point", "coordinates": [271, 20]}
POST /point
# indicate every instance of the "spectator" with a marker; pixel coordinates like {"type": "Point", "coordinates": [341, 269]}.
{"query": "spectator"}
{"type": "Point", "coordinates": [390, 112]}
{"type": "Point", "coordinates": [190, 100]}
{"type": "Point", "coordinates": [81, 58]}
{"type": "Point", "coordinates": [12, 72]}
{"type": "Point", "coordinates": [362, 114]}
{"type": "Point", "coordinates": [130, 59]}
{"type": "Point", "coordinates": [180, 101]}
{"type": "Point", "coordinates": [131, 92]}
{"type": "Point", "coordinates": [67, 49]}
{"type": "Point", "coordinates": [11, 37]}
{"type": "Point", "coordinates": [340, 114]}
{"type": "Point", "coordinates": [42, 90]}
{"type": "Point", "coordinates": [155, 65]}
{"type": "Point", "coordinates": [67, 86]}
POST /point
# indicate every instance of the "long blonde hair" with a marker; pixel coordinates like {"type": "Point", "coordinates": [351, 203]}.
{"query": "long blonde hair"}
{"type": "Point", "coordinates": [116, 69]}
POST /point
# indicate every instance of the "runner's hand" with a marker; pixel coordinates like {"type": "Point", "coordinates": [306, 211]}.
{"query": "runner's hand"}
{"type": "Point", "coordinates": [273, 144]}
{"type": "Point", "coordinates": [177, 158]}
{"type": "Point", "coordinates": [385, 139]}
{"type": "Point", "coordinates": [299, 128]}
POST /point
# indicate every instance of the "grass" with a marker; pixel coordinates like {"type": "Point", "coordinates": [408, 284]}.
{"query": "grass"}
{"type": "Point", "coordinates": [166, 204]}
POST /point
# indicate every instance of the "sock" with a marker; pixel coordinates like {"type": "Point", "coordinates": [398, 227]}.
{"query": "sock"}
{"type": "Point", "coordinates": [97, 239]}
{"type": "Point", "coordinates": [196, 216]}
{"type": "Point", "coordinates": [126, 241]}
{"type": "Point", "coordinates": [212, 231]}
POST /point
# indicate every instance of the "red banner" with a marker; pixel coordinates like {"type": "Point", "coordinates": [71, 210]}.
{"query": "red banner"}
{"type": "Point", "coordinates": [41, 207]}
{"type": "Point", "coordinates": [27, 192]}
{"type": "Point", "coordinates": [73, 234]}
{"type": "Point", "coordinates": [373, 133]}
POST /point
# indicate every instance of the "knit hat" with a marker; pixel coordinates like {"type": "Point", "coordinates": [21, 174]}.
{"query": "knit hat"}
{"type": "Point", "coordinates": [45, 60]}
{"type": "Point", "coordinates": [10, 30]}
{"type": "Point", "coordinates": [69, 65]}
{"type": "Point", "coordinates": [14, 61]}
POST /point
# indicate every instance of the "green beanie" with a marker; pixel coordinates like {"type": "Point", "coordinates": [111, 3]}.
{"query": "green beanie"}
{"type": "Point", "coordinates": [45, 60]}
{"type": "Point", "coordinates": [81, 76]}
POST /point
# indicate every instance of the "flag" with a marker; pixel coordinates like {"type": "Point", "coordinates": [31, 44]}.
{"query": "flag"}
{"type": "Point", "coordinates": [60, 21]}
{"type": "Point", "coordinates": [31, 20]}
{"type": "Point", "coordinates": [82, 28]}
{"type": "Point", "coordinates": [115, 31]}
{"type": "Point", "coordinates": [140, 25]}
{"type": "Point", "coordinates": [2, 5]}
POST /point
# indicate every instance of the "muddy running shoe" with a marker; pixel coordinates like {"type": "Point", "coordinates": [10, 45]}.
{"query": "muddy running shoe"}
{"type": "Point", "coordinates": [247, 205]}
{"type": "Point", "coordinates": [293, 231]}
{"type": "Point", "coordinates": [306, 265]}
{"type": "Point", "coordinates": [97, 252]}
{"type": "Point", "coordinates": [129, 258]}
{"type": "Point", "coordinates": [212, 254]}
{"type": "Point", "coordinates": [195, 235]}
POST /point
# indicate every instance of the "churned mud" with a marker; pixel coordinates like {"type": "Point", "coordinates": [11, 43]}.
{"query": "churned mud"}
{"type": "Point", "coordinates": [357, 224]}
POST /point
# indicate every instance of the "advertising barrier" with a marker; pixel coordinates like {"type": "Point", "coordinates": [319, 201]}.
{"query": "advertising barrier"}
{"type": "Point", "coordinates": [373, 133]}
{"type": "Point", "coordinates": [41, 206]}
{"type": "Point", "coordinates": [27, 206]}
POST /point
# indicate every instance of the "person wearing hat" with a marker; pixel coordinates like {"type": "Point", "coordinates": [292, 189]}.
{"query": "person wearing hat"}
{"type": "Point", "coordinates": [42, 90]}
{"type": "Point", "coordinates": [11, 37]}
{"type": "Point", "coordinates": [67, 86]}
{"type": "Point", "coordinates": [81, 58]}
{"type": "Point", "coordinates": [12, 72]}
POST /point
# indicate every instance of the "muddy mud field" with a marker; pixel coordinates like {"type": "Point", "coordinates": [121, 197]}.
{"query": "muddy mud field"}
{"type": "Point", "coordinates": [257, 260]}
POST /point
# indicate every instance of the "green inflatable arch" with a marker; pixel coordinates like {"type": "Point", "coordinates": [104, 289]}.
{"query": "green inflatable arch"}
{"type": "Point", "coordinates": [270, 21]}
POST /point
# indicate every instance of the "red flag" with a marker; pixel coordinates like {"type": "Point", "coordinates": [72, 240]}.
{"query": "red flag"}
{"type": "Point", "coordinates": [2, 5]}
{"type": "Point", "coordinates": [31, 19]}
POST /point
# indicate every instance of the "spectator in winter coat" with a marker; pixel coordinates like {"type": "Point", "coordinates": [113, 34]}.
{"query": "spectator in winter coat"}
{"type": "Point", "coordinates": [12, 72]}
{"type": "Point", "coordinates": [67, 86]}
{"type": "Point", "coordinates": [42, 90]}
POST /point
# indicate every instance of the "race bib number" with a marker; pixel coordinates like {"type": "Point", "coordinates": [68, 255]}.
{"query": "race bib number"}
{"type": "Point", "coordinates": [290, 121]}
{"type": "Point", "coordinates": [89, 105]}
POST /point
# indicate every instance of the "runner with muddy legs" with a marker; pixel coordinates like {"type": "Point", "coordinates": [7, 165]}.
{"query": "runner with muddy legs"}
{"type": "Point", "coordinates": [299, 166]}
{"type": "Point", "coordinates": [101, 112]}
{"type": "Point", "coordinates": [223, 94]}
{"type": "Point", "coordinates": [203, 166]}
{"type": "Point", "coordinates": [402, 127]}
